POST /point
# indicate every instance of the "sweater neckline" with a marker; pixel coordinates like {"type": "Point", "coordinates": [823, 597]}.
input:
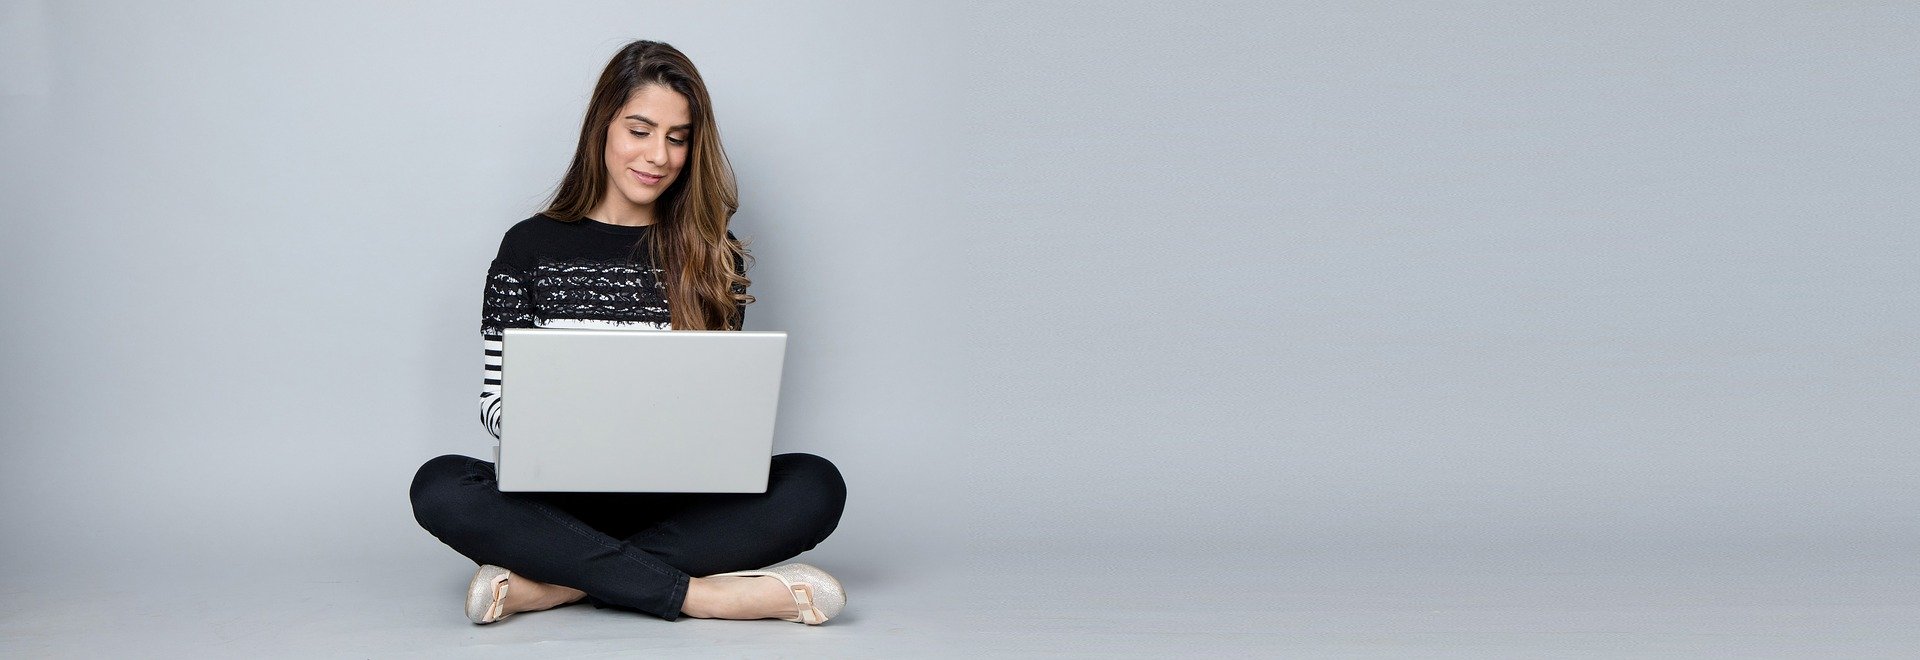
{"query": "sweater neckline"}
{"type": "Point", "coordinates": [625, 230]}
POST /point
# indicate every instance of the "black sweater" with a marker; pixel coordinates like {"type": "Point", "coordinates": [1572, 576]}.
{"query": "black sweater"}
{"type": "Point", "coordinates": [554, 274]}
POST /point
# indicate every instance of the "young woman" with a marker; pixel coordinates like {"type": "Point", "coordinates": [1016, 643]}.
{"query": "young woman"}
{"type": "Point", "coordinates": [635, 236]}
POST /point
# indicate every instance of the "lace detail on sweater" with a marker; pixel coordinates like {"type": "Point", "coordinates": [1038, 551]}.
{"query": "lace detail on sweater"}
{"type": "Point", "coordinates": [617, 292]}
{"type": "Point", "coordinates": [607, 291]}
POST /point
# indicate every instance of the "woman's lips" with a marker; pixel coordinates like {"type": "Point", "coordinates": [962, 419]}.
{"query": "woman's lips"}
{"type": "Point", "coordinates": [646, 179]}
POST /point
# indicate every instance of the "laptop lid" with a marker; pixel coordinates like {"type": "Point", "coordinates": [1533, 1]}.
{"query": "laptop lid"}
{"type": "Point", "coordinates": [604, 410]}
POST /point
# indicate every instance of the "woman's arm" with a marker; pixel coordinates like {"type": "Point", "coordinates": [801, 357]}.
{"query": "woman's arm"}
{"type": "Point", "coordinates": [508, 304]}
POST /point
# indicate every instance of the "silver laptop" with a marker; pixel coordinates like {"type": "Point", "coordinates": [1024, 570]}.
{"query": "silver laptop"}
{"type": "Point", "coordinates": [599, 410]}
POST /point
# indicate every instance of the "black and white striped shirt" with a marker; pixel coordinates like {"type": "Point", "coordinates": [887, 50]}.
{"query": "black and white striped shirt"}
{"type": "Point", "coordinates": [554, 274]}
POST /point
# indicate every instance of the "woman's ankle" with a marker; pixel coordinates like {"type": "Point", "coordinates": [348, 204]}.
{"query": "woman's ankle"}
{"type": "Point", "coordinates": [736, 598]}
{"type": "Point", "coordinates": [703, 600]}
{"type": "Point", "coordinates": [527, 595]}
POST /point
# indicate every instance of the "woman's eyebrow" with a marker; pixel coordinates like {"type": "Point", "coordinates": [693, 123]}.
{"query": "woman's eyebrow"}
{"type": "Point", "coordinates": [644, 120]}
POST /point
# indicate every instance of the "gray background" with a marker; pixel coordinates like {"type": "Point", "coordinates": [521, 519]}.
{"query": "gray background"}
{"type": "Point", "coordinates": [1137, 314]}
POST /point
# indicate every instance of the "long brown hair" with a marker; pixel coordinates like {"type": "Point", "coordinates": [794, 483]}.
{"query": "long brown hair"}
{"type": "Point", "coordinates": [689, 241]}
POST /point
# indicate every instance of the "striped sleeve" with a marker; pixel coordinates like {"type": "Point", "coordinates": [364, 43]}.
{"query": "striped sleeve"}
{"type": "Point", "coordinates": [508, 304]}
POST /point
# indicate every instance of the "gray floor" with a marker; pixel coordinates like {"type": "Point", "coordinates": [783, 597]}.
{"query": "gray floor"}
{"type": "Point", "coordinates": [1302, 607]}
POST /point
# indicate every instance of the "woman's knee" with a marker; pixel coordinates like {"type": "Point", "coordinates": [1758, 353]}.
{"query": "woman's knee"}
{"type": "Point", "coordinates": [812, 471]}
{"type": "Point", "coordinates": [813, 479]}
{"type": "Point", "coordinates": [437, 491]}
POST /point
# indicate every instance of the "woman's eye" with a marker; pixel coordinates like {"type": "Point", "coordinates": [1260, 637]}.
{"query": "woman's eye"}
{"type": "Point", "coordinates": [638, 133]}
{"type": "Point", "coordinates": [676, 141]}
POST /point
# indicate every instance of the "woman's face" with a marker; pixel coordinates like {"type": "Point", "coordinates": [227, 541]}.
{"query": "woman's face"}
{"type": "Point", "coordinates": [646, 147]}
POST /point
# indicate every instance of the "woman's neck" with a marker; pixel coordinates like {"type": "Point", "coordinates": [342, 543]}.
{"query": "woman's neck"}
{"type": "Point", "coordinates": [616, 210]}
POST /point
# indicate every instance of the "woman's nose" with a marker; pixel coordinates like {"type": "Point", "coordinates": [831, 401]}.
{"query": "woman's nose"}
{"type": "Point", "coordinates": [656, 152]}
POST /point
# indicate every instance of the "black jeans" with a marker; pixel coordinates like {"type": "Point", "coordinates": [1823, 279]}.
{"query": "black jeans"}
{"type": "Point", "coordinates": [631, 551]}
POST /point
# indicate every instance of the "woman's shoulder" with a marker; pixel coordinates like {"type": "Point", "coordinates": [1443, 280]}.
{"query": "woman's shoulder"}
{"type": "Point", "coordinates": [542, 229]}
{"type": "Point", "coordinates": [536, 225]}
{"type": "Point", "coordinates": [521, 240]}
